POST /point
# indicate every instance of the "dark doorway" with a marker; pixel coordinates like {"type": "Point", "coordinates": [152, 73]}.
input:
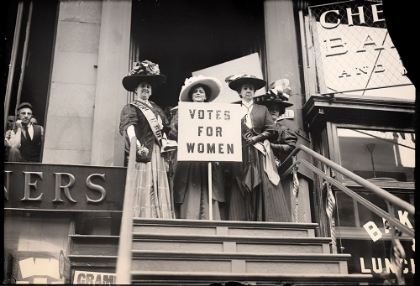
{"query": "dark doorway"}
{"type": "Point", "coordinates": [183, 36]}
{"type": "Point", "coordinates": [36, 68]}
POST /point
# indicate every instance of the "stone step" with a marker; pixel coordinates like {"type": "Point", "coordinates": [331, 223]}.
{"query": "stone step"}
{"type": "Point", "coordinates": [238, 228]}
{"type": "Point", "coordinates": [108, 245]}
{"type": "Point", "coordinates": [92, 261]}
{"type": "Point", "coordinates": [94, 244]}
{"type": "Point", "coordinates": [233, 262]}
{"type": "Point", "coordinates": [230, 243]}
{"type": "Point", "coordinates": [206, 278]}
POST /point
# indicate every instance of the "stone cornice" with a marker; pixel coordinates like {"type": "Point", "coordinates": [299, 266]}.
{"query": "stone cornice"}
{"type": "Point", "coordinates": [349, 109]}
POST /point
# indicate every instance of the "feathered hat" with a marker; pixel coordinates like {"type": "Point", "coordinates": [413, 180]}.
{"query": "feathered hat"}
{"type": "Point", "coordinates": [278, 93]}
{"type": "Point", "coordinates": [143, 71]}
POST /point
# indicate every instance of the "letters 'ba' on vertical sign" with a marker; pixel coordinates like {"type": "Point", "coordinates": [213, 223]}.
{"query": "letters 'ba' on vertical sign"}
{"type": "Point", "coordinates": [209, 132]}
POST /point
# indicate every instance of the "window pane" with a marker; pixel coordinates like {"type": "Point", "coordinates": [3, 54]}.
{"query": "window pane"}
{"type": "Point", "coordinates": [366, 215]}
{"type": "Point", "coordinates": [377, 154]}
{"type": "Point", "coordinates": [345, 210]}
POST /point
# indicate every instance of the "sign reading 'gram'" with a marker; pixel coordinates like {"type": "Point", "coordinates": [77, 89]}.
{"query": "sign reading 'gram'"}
{"type": "Point", "coordinates": [209, 132]}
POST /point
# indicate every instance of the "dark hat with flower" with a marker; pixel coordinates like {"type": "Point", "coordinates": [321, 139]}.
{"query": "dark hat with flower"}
{"type": "Point", "coordinates": [278, 93]}
{"type": "Point", "coordinates": [213, 84]}
{"type": "Point", "coordinates": [143, 71]}
{"type": "Point", "coordinates": [236, 81]}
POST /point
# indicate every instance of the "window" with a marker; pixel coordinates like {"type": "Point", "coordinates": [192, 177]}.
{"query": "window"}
{"type": "Point", "coordinates": [28, 51]}
{"type": "Point", "coordinates": [378, 155]}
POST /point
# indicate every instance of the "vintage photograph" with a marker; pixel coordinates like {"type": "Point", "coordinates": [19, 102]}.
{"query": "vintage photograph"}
{"type": "Point", "coordinates": [209, 142]}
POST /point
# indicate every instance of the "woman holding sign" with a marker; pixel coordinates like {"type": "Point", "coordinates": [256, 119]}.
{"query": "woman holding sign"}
{"type": "Point", "coordinates": [144, 120]}
{"type": "Point", "coordinates": [191, 194]}
{"type": "Point", "coordinates": [256, 192]}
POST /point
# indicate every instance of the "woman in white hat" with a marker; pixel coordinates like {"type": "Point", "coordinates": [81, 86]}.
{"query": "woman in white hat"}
{"type": "Point", "coordinates": [256, 193]}
{"type": "Point", "coordinates": [144, 120]}
{"type": "Point", "coordinates": [191, 178]}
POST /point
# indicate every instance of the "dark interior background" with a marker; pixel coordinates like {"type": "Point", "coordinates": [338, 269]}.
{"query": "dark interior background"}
{"type": "Point", "coordinates": [187, 35]}
{"type": "Point", "coordinates": [39, 53]}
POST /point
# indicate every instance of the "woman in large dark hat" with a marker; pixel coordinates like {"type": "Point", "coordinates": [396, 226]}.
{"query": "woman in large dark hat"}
{"type": "Point", "coordinates": [144, 120]}
{"type": "Point", "coordinates": [256, 193]}
{"type": "Point", "coordinates": [277, 100]}
{"type": "Point", "coordinates": [191, 195]}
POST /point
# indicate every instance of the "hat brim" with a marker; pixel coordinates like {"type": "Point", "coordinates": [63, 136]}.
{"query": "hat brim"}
{"type": "Point", "coordinates": [275, 102]}
{"type": "Point", "coordinates": [131, 82]}
{"type": "Point", "coordinates": [256, 82]}
{"type": "Point", "coordinates": [212, 84]}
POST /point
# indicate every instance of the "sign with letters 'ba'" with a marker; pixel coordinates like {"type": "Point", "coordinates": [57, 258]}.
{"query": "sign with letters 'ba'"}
{"type": "Point", "coordinates": [209, 132]}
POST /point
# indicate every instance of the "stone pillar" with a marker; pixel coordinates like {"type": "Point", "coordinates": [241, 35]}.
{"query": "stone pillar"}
{"type": "Point", "coordinates": [282, 50]}
{"type": "Point", "coordinates": [68, 128]}
{"type": "Point", "coordinates": [113, 65]}
{"type": "Point", "coordinates": [282, 42]}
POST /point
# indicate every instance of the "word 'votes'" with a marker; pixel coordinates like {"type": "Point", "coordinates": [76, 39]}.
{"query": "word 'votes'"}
{"type": "Point", "coordinates": [207, 114]}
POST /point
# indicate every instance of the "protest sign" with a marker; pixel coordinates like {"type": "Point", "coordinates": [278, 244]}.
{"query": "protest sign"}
{"type": "Point", "coordinates": [209, 132]}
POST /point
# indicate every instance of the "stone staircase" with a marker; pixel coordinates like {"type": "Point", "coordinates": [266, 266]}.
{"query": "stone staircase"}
{"type": "Point", "coordinates": [189, 252]}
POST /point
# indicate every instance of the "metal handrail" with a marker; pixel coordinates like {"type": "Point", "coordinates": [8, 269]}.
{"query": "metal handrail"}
{"type": "Point", "coordinates": [126, 239]}
{"type": "Point", "coordinates": [363, 182]}
{"type": "Point", "coordinates": [397, 227]}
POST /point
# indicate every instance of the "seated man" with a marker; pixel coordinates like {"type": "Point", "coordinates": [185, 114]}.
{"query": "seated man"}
{"type": "Point", "coordinates": [26, 140]}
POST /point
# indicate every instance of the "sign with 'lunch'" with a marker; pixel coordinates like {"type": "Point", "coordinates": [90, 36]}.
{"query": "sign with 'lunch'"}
{"type": "Point", "coordinates": [209, 132]}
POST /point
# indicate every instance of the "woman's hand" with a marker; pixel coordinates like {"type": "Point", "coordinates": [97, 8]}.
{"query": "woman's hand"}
{"type": "Point", "coordinates": [251, 140]}
{"type": "Point", "coordinates": [141, 149]}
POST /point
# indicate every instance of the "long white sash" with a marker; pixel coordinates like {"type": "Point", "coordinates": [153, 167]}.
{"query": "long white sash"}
{"type": "Point", "coordinates": [151, 118]}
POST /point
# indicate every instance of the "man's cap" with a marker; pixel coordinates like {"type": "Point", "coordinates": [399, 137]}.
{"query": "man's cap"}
{"type": "Point", "coordinates": [24, 105]}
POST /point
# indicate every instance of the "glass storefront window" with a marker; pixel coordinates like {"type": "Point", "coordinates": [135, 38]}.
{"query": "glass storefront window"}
{"type": "Point", "coordinates": [378, 155]}
{"type": "Point", "coordinates": [346, 211]}
{"type": "Point", "coordinates": [366, 215]}
{"type": "Point", "coordinates": [357, 215]}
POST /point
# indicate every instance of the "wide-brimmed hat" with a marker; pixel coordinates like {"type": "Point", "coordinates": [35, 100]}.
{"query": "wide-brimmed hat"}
{"type": "Point", "coordinates": [212, 83]}
{"type": "Point", "coordinates": [236, 81]}
{"type": "Point", "coordinates": [24, 105]}
{"type": "Point", "coordinates": [143, 71]}
{"type": "Point", "coordinates": [278, 94]}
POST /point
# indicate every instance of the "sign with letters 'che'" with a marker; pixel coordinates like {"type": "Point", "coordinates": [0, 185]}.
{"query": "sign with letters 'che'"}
{"type": "Point", "coordinates": [209, 132]}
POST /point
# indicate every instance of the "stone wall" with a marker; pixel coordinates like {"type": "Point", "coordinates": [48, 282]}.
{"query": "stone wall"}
{"type": "Point", "coordinates": [70, 112]}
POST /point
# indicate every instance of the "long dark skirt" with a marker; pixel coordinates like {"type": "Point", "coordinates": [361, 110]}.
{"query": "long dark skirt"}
{"type": "Point", "coordinates": [191, 194]}
{"type": "Point", "coordinates": [266, 202]}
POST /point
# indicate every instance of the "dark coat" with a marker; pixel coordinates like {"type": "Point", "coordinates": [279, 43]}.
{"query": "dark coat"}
{"type": "Point", "coordinates": [285, 143]}
{"type": "Point", "coordinates": [261, 120]}
{"type": "Point", "coordinates": [30, 149]}
{"type": "Point", "coordinates": [131, 115]}
{"type": "Point", "coordinates": [198, 171]}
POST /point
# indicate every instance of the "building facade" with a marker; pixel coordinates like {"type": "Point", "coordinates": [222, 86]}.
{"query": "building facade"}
{"type": "Point", "coordinates": [351, 103]}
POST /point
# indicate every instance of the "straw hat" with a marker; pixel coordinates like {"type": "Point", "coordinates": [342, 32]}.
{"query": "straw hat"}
{"type": "Point", "coordinates": [236, 81]}
{"type": "Point", "coordinates": [213, 84]}
{"type": "Point", "coordinates": [143, 71]}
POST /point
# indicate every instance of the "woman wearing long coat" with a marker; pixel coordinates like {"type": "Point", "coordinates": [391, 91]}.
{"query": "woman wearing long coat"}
{"type": "Point", "coordinates": [256, 193]}
{"type": "Point", "coordinates": [190, 186]}
{"type": "Point", "coordinates": [277, 100]}
{"type": "Point", "coordinates": [145, 121]}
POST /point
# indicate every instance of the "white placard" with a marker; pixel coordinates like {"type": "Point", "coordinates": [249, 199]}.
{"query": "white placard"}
{"type": "Point", "coordinates": [209, 132]}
